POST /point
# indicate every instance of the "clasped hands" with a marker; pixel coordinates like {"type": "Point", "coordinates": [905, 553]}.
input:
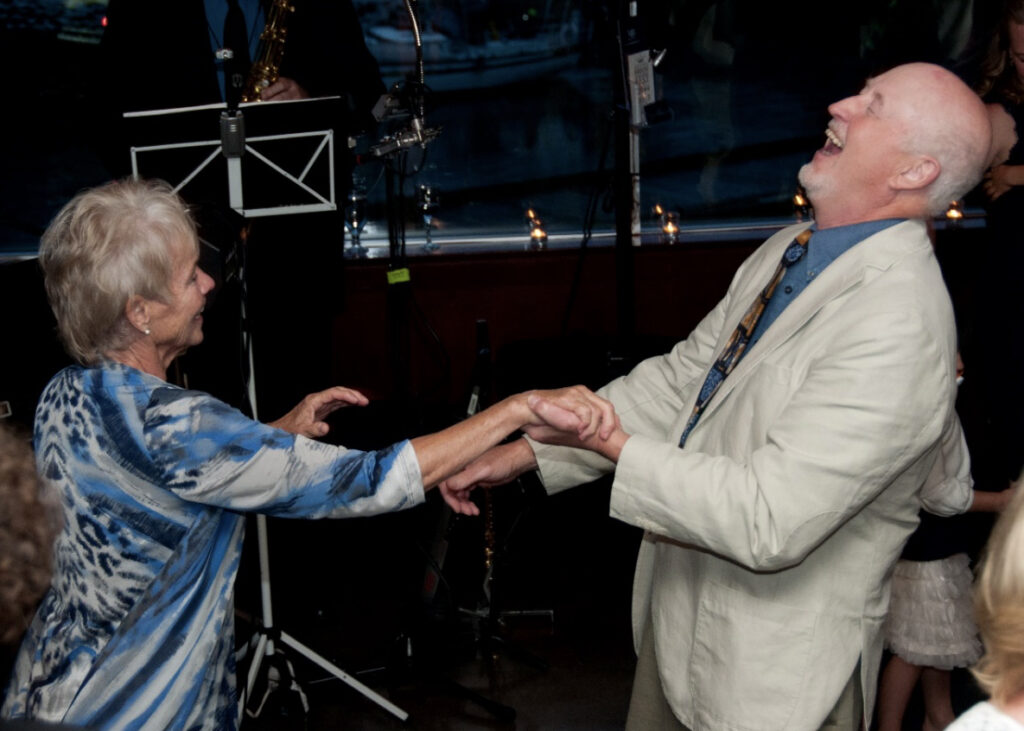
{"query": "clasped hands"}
{"type": "Point", "coordinates": [572, 417]}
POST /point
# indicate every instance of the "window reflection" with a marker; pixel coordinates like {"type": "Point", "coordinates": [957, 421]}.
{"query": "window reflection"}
{"type": "Point", "coordinates": [524, 93]}
{"type": "Point", "coordinates": [746, 86]}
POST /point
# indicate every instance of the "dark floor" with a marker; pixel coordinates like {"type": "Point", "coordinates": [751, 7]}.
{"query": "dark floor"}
{"type": "Point", "coordinates": [550, 649]}
{"type": "Point", "coordinates": [547, 677]}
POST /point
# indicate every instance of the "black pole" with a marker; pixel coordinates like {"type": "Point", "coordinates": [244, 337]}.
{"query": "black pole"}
{"type": "Point", "coordinates": [625, 281]}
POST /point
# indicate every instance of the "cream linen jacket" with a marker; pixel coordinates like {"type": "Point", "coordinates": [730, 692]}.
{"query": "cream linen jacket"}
{"type": "Point", "coordinates": [771, 537]}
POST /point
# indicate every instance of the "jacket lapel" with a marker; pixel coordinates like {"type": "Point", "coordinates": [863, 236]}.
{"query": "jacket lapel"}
{"type": "Point", "coordinates": [846, 272]}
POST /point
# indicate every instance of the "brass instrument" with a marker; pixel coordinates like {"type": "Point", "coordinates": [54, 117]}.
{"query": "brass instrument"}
{"type": "Point", "coordinates": [266, 68]}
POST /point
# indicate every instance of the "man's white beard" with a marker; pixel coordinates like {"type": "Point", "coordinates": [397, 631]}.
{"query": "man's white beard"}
{"type": "Point", "coordinates": [815, 186]}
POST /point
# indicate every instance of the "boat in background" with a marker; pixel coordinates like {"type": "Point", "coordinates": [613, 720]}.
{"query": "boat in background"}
{"type": "Point", "coordinates": [457, 58]}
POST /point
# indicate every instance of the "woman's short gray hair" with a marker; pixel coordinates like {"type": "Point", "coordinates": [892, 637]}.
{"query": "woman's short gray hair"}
{"type": "Point", "coordinates": [106, 245]}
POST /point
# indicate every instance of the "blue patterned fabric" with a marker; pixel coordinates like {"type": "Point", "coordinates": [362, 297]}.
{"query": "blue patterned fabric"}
{"type": "Point", "coordinates": [137, 629]}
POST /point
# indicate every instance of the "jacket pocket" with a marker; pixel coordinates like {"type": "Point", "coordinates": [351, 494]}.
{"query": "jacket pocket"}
{"type": "Point", "coordinates": [749, 660]}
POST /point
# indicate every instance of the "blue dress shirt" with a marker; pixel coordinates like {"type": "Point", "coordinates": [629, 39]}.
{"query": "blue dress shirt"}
{"type": "Point", "coordinates": [824, 247]}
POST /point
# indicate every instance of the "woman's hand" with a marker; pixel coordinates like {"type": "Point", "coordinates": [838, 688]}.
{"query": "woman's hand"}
{"type": "Point", "coordinates": [1001, 178]}
{"type": "Point", "coordinates": [996, 181]}
{"type": "Point", "coordinates": [308, 417]}
{"type": "Point", "coordinates": [497, 466]}
{"type": "Point", "coordinates": [580, 419]}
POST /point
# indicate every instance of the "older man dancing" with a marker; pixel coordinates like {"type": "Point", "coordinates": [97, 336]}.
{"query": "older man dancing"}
{"type": "Point", "coordinates": [776, 457]}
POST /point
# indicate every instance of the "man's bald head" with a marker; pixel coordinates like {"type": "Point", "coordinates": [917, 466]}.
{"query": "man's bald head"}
{"type": "Point", "coordinates": [952, 125]}
{"type": "Point", "coordinates": [914, 139]}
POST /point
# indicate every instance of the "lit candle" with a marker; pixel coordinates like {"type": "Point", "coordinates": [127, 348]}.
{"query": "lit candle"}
{"type": "Point", "coordinates": [670, 227]}
{"type": "Point", "coordinates": [538, 237]}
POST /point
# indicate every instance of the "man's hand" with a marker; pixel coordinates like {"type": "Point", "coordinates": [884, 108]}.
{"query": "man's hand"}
{"type": "Point", "coordinates": [605, 437]}
{"type": "Point", "coordinates": [574, 410]}
{"type": "Point", "coordinates": [497, 466]}
{"type": "Point", "coordinates": [284, 89]}
{"type": "Point", "coordinates": [308, 417]}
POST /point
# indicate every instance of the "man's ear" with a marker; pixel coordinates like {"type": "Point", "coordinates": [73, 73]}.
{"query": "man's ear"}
{"type": "Point", "coordinates": [919, 173]}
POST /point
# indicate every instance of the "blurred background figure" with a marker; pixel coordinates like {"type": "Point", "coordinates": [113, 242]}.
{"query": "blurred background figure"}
{"type": "Point", "coordinates": [929, 630]}
{"type": "Point", "coordinates": [993, 345]}
{"type": "Point", "coordinates": [29, 521]}
{"type": "Point", "coordinates": [999, 610]}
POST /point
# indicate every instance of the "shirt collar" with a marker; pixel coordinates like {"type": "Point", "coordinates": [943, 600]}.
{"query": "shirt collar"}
{"type": "Point", "coordinates": [828, 244]}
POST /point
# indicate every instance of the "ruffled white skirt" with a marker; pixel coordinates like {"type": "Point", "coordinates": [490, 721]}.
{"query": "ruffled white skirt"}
{"type": "Point", "coordinates": [930, 620]}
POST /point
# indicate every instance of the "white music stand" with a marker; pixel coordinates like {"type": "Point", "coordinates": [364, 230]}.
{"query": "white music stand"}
{"type": "Point", "coordinates": [305, 195]}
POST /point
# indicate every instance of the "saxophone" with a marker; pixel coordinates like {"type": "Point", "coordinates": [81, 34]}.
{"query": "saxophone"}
{"type": "Point", "coordinates": [266, 67]}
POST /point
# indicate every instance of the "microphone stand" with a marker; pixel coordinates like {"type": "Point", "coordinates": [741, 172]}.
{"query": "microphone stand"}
{"type": "Point", "coordinates": [393, 149]}
{"type": "Point", "coordinates": [279, 672]}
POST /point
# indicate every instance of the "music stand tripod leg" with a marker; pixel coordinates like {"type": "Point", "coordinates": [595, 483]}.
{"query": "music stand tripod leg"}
{"type": "Point", "coordinates": [265, 646]}
{"type": "Point", "coordinates": [343, 676]}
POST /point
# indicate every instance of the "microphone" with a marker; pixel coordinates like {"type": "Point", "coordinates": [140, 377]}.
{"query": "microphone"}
{"type": "Point", "coordinates": [416, 134]}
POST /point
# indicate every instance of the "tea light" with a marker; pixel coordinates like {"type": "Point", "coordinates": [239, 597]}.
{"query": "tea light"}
{"type": "Point", "coordinates": [670, 227]}
{"type": "Point", "coordinates": [538, 237]}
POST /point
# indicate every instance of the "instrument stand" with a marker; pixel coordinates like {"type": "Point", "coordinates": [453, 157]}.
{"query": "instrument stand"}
{"type": "Point", "coordinates": [489, 619]}
{"type": "Point", "coordinates": [421, 648]}
{"type": "Point", "coordinates": [279, 672]}
{"type": "Point", "coordinates": [187, 147]}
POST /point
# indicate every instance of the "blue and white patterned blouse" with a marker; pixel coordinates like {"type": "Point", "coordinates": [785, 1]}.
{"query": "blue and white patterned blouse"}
{"type": "Point", "coordinates": [137, 629]}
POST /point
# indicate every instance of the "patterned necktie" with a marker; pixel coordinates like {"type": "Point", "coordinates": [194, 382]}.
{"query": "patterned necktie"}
{"type": "Point", "coordinates": [236, 68]}
{"type": "Point", "coordinates": [740, 337]}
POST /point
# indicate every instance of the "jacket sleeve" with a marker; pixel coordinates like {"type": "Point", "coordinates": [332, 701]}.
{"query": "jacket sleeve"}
{"type": "Point", "coordinates": [949, 487]}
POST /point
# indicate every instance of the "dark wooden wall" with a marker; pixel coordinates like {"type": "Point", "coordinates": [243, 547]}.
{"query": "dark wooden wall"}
{"type": "Point", "coordinates": [524, 298]}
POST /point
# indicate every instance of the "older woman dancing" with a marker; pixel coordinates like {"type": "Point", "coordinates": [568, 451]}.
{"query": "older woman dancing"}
{"type": "Point", "coordinates": [137, 629]}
